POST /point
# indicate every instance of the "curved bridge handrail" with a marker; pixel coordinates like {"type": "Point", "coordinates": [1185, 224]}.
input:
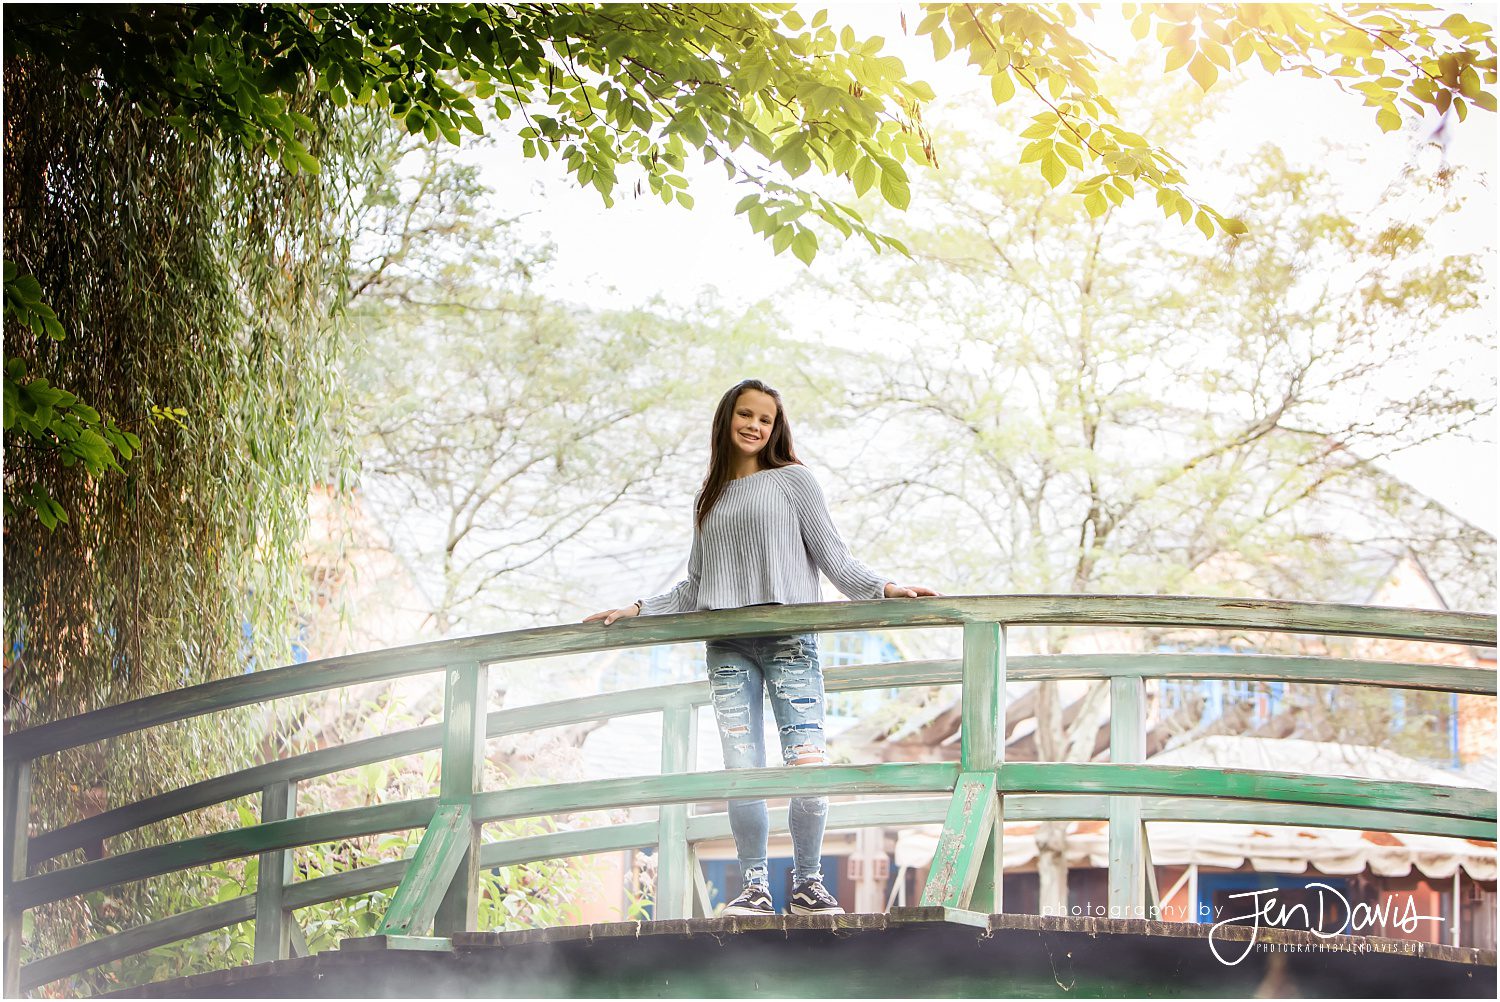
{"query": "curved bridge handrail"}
{"type": "Point", "coordinates": [1014, 610]}
{"type": "Point", "coordinates": [1125, 792]}
{"type": "Point", "coordinates": [707, 827]}
{"type": "Point", "coordinates": [601, 706]}
{"type": "Point", "coordinates": [603, 794]}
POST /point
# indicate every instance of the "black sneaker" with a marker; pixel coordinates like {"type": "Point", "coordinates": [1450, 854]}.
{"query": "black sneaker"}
{"type": "Point", "coordinates": [753, 900]}
{"type": "Point", "coordinates": [811, 898]}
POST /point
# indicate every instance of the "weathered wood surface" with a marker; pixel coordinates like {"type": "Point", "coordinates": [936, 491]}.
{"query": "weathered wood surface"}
{"type": "Point", "coordinates": [734, 784]}
{"type": "Point", "coordinates": [443, 847]}
{"type": "Point", "coordinates": [611, 838]}
{"type": "Point", "coordinates": [465, 698]}
{"type": "Point", "coordinates": [1016, 610]}
{"type": "Point", "coordinates": [1127, 745]}
{"type": "Point", "coordinates": [208, 792]}
{"type": "Point", "coordinates": [273, 934]}
{"type": "Point", "coordinates": [838, 679]}
{"type": "Point", "coordinates": [1456, 803]}
{"type": "Point", "coordinates": [1160, 780]}
{"type": "Point", "coordinates": [859, 814]}
{"type": "Point", "coordinates": [17, 807]}
{"type": "Point", "coordinates": [1092, 807]}
{"type": "Point", "coordinates": [967, 831]}
{"type": "Point", "coordinates": [982, 709]}
{"type": "Point", "coordinates": [137, 940]}
{"type": "Point", "coordinates": [1351, 803]}
{"type": "Point", "coordinates": [142, 863]}
{"type": "Point", "coordinates": [911, 952]}
{"type": "Point", "coordinates": [396, 941]}
{"type": "Point", "coordinates": [674, 883]}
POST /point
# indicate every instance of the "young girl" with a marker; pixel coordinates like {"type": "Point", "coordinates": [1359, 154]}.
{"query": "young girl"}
{"type": "Point", "coordinates": [761, 533]}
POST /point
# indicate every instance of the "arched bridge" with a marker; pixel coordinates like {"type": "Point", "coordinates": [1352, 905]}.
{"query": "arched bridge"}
{"type": "Point", "coordinates": [427, 940]}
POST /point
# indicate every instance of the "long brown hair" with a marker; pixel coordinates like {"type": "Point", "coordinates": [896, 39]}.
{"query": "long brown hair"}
{"type": "Point", "coordinates": [778, 450]}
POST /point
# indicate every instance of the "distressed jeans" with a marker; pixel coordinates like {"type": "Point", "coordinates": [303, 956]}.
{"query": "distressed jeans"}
{"type": "Point", "coordinates": [785, 668]}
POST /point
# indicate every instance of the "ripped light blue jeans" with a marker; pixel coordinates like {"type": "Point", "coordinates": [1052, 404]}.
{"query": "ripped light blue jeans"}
{"type": "Point", "coordinates": [785, 668]}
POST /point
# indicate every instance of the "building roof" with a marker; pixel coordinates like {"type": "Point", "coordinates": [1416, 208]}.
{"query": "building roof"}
{"type": "Point", "coordinates": [1318, 758]}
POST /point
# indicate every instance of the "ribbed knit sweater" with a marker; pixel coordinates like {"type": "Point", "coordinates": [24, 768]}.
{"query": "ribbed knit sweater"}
{"type": "Point", "coordinates": [765, 541]}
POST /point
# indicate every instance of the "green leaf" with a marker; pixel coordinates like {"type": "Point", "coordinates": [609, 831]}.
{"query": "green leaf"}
{"type": "Point", "coordinates": [894, 187]}
{"type": "Point", "coordinates": [805, 246]}
{"type": "Point", "coordinates": [28, 288]}
{"type": "Point", "coordinates": [864, 174]}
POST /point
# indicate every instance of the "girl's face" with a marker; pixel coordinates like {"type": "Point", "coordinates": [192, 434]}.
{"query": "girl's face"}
{"type": "Point", "coordinates": [754, 417]}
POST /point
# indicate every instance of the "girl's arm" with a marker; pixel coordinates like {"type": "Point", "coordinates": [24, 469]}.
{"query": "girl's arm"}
{"type": "Point", "coordinates": [824, 543]}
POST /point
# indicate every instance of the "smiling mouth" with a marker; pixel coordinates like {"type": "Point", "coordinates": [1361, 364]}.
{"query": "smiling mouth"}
{"type": "Point", "coordinates": [750, 438]}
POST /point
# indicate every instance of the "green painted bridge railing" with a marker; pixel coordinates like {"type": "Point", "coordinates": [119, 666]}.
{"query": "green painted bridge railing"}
{"type": "Point", "coordinates": [438, 886]}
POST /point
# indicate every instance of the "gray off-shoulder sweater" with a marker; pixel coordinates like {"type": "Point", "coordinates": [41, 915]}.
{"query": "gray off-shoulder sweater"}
{"type": "Point", "coordinates": [765, 541]}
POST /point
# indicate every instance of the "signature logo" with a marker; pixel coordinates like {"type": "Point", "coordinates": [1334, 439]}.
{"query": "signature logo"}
{"type": "Point", "coordinates": [1329, 904]}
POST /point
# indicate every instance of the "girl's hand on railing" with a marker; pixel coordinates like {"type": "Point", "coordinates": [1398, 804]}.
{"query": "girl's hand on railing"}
{"type": "Point", "coordinates": [893, 590]}
{"type": "Point", "coordinates": [610, 615]}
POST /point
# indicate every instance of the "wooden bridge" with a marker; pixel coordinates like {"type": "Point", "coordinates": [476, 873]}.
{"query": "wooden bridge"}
{"type": "Point", "coordinates": [434, 908]}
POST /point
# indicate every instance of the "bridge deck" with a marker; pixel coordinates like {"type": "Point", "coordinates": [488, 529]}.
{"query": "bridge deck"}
{"type": "Point", "coordinates": [912, 952]}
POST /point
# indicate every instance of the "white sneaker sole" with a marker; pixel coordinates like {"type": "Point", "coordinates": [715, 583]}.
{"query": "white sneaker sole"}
{"type": "Point", "coordinates": [750, 912]}
{"type": "Point", "coordinates": [799, 910]}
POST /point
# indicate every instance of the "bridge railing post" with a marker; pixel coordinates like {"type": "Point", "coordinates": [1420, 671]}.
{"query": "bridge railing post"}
{"type": "Point", "coordinates": [1127, 744]}
{"type": "Point", "coordinates": [984, 708]}
{"type": "Point", "coordinates": [675, 879]}
{"type": "Point", "coordinates": [967, 867]}
{"type": "Point", "coordinates": [17, 836]}
{"type": "Point", "coordinates": [273, 922]}
{"type": "Point", "coordinates": [465, 700]}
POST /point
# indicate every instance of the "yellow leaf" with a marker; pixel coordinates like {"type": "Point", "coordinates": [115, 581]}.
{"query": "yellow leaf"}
{"type": "Point", "coordinates": [1177, 57]}
{"type": "Point", "coordinates": [1388, 119]}
{"type": "Point", "coordinates": [1204, 223]}
{"type": "Point", "coordinates": [1203, 71]}
{"type": "Point", "coordinates": [1468, 82]}
{"type": "Point", "coordinates": [1053, 170]}
{"type": "Point", "coordinates": [1217, 53]}
{"type": "Point", "coordinates": [1002, 88]}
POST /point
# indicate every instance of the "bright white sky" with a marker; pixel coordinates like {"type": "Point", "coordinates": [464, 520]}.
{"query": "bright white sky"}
{"type": "Point", "coordinates": [642, 250]}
